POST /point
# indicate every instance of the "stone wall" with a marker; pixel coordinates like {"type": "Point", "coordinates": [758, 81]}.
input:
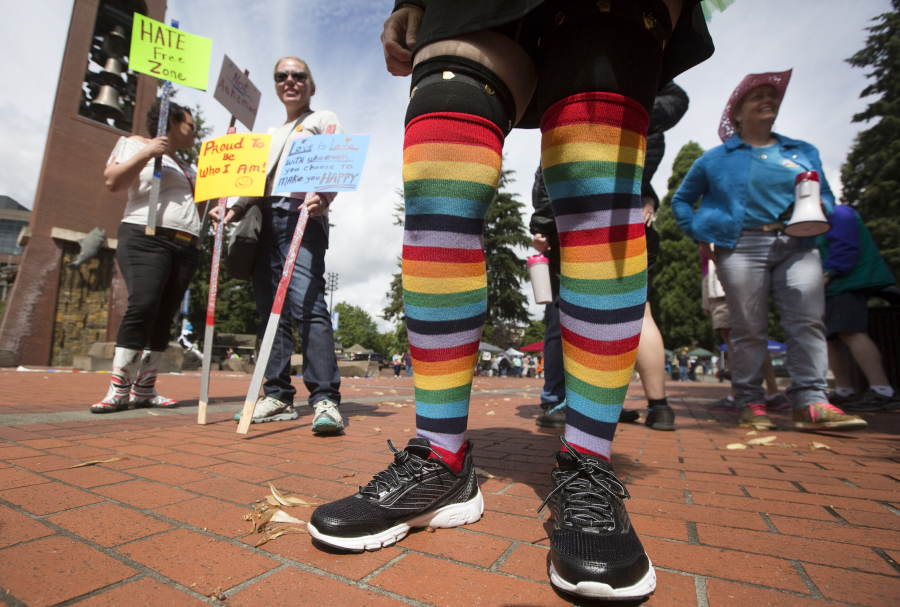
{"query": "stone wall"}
{"type": "Point", "coordinates": [81, 304]}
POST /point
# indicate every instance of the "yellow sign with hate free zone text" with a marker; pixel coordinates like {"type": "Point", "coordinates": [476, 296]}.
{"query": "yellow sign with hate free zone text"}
{"type": "Point", "coordinates": [169, 53]}
{"type": "Point", "coordinates": [232, 165]}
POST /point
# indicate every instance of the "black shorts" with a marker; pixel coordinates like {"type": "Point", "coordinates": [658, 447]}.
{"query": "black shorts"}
{"type": "Point", "coordinates": [577, 48]}
{"type": "Point", "coordinates": [847, 312]}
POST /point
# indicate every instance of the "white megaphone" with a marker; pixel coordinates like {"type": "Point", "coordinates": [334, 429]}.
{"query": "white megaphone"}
{"type": "Point", "coordinates": [808, 218]}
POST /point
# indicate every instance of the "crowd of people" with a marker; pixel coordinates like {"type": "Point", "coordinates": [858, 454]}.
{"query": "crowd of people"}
{"type": "Point", "coordinates": [597, 79]}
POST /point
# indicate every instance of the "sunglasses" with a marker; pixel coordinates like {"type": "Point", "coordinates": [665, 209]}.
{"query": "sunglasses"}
{"type": "Point", "coordinates": [297, 76]}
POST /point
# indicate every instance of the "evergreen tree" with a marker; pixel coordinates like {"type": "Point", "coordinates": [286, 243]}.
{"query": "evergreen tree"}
{"type": "Point", "coordinates": [356, 327]}
{"type": "Point", "coordinates": [534, 333]}
{"type": "Point", "coordinates": [504, 230]}
{"type": "Point", "coordinates": [871, 175]}
{"type": "Point", "coordinates": [235, 306]}
{"type": "Point", "coordinates": [676, 299]}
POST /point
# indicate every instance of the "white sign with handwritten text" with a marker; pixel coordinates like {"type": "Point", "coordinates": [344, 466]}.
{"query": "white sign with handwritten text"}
{"type": "Point", "coordinates": [235, 91]}
{"type": "Point", "coordinates": [323, 163]}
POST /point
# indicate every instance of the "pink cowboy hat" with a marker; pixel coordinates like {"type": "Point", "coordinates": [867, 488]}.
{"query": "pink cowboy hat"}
{"type": "Point", "coordinates": [777, 79]}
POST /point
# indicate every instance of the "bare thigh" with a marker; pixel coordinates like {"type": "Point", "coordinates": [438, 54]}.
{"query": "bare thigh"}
{"type": "Point", "coordinates": [496, 52]}
{"type": "Point", "coordinates": [504, 57]}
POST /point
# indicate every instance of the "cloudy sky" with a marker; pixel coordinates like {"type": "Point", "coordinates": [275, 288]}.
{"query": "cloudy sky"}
{"type": "Point", "coordinates": [339, 40]}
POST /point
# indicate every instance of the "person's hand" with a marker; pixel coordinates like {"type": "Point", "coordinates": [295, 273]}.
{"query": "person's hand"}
{"type": "Point", "coordinates": [231, 215]}
{"type": "Point", "coordinates": [709, 252]}
{"type": "Point", "coordinates": [540, 243]}
{"type": "Point", "coordinates": [156, 147]}
{"type": "Point", "coordinates": [399, 37]}
{"type": "Point", "coordinates": [826, 278]}
{"type": "Point", "coordinates": [648, 211]}
{"type": "Point", "coordinates": [316, 206]}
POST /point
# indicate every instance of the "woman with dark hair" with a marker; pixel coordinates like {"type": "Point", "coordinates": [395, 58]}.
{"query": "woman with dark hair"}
{"type": "Point", "coordinates": [746, 191]}
{"type": "Point", "coordinates": [157, 269]}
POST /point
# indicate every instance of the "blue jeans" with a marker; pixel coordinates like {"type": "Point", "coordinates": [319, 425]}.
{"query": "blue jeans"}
{"type": "Point", "coordinates": [554, 391]}
{"type": "Point", "coordinates": [764, 263]}
{"type": "Point", "coordinates": [682, 373]}
{"type": "Point", "coordinates": [305, 302]}
{"type": "Point", "coordinates": [408, 370]}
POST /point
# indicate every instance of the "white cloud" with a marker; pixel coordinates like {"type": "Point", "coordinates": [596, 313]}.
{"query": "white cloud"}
{"type": "Point", "coordinates": [340, 41]}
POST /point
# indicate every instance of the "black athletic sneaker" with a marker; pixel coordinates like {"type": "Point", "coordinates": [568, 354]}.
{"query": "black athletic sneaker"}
{"type": "Point", "coordinates": [594, 551]}
{"type": "Point", "coordinates": [552, 416]}
{"type": "Point", "coordinates": [414, 491]}
{"type": "Point", "coordinates": [660, 417]}
{"type": "Point", "coordinates": [629, 416]}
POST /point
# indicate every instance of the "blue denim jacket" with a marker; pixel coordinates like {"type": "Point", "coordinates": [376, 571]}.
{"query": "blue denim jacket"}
{"type": "Point", "coordinates": [720, 177]}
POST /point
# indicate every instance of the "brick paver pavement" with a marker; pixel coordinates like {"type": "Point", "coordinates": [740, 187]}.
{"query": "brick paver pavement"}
{"type": "Point", "coordinates": [767, 525]}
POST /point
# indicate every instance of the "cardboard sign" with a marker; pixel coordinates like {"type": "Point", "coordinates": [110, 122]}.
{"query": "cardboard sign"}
{"type": "Point", "coordinates": [169, 53]}
{"type": "Point", "coordinates": [323, 163]}
{"type": "Point", "coordinates": [235, 91]}
{"type": "Point", "coordinates": [232, 165]}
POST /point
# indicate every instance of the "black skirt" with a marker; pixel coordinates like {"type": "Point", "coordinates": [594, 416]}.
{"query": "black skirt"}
{"type": "Point", "coordinates": [689, 44]}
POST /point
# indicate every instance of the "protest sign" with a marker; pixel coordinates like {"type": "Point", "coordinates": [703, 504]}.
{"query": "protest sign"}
{"type": "Point", "coordinates": [235, 91]}
{"type": "Point", "coordinates": [232, 165]}
{"type": "Point", "coordinates": [323, 163]}
{"type": "Point", "coordinates": [169, 53]}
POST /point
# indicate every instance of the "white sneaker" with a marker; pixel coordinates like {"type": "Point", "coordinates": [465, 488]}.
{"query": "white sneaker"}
{"type": "Point", "coordinates": [270, 409]}
{"type": "Point", "coordinates": [327, 418]}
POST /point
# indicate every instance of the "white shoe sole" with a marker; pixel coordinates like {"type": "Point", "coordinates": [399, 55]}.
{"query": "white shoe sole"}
{"type": "Point", "coordinates": [645, 587]}
{"type": "Point", "coordinates": [449, 516]}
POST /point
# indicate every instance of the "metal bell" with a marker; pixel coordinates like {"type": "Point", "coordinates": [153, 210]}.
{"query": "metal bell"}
{"type": "Point", "coordinates": [106, 103]}
{"type": "Point", "coordinates": [117, 39]}
{"type": "Point", "coordinates": [112, 71]}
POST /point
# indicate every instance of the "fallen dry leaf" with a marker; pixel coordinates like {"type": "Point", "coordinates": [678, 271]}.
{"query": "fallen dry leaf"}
{"type": "Point", "coordinates": [359, 418]}
{"type": "Point", "coordinates": [736, 446]}
{"type": "Point", "coordinates": [377, 430]}
{"type": "Point", "coordinates": [406, 429]}
{"type": "Point", "coordinates": [277, 532]}
{"type": "Point", "coordinates": [491, 412]}
{"type": "Point", "coordinates": [763, 440]}
{"type": "Point", "coordinates": [789, 445]}
{"type": "Point", "coordinates": [752, 433]}
{"type": "Point", "coordinates": [152, 413]}
{"type": "Point", "coordinates": [507, 399]}
{"type": "Point", "coordinates": [430, 529]}
{"type": "Point", "coordinates": [281, 516]}
{"type": "Point", "coordinates": [287, 500]}
{"type": "Point", "coordinates": [379, 393]}
{"type": "Point", "coordinates": [815, 446]}
{"type": "Point", "coordinates": [388, 403]}
{"type": "Point", "coordinates": [484, 473]}
{"type": "Point", "coordinates": [349, 474]}
{"type": "Point", "coordinates": [99, 461]}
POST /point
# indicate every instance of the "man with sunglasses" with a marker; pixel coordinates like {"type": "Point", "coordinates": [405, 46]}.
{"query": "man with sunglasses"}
{"type": "Point", "coordinates": [294, 86]}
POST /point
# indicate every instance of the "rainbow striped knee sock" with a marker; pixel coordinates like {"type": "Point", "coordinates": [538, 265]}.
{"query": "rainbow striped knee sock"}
{"type": "Point", "coordinates": [592, 153]}
{"type": "Point", "coordinates": [451, 168]}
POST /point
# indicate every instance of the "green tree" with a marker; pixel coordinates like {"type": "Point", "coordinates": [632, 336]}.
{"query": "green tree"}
{"type": "Point", "coordinates": [235, 306]}
{"type": "Point", "coordinates": [504, 230]}
{"type": "Point", "coordinates": [871, 175]}
{"type": "Point", "coordinates": [356, 327]}
{"type": "Point", "coordinates": [676, 296]}
{"type": "Point", "coordinates": [534, 333]}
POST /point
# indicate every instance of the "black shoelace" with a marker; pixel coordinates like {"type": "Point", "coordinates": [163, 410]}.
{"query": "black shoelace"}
{"type": "Point", "coordinates": [588, 490]}
{"type": "Point", "coordinates": [405, 465]}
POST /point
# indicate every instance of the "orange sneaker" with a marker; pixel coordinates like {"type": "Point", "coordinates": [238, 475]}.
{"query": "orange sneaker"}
{"type": "Point", "coordinates": [754, 416]}
{"type": "Point", "coordinates": [825, 416]}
